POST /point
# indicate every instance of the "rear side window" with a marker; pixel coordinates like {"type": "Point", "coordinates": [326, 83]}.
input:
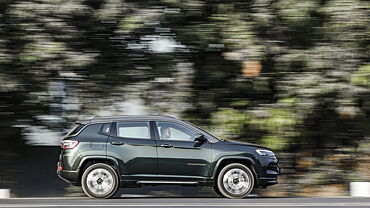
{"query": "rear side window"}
{"type": "Point", "coordinates": [105, 129]}
{"type": "Point", "coordinates": [138, 130]}
{"type": "Point", "coordinates": [75, 129]}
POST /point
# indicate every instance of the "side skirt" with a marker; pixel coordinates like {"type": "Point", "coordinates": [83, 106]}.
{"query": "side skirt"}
{"type": "Point", "coordinates": [168, 182]}
{"type": "Point", "coordinates": [138, 183]}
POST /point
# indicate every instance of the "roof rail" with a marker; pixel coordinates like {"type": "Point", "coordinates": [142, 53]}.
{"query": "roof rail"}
{"type": "Point", "coordinates": [97, 117]}
{"type": "Point", "coordinates": [168, 116]}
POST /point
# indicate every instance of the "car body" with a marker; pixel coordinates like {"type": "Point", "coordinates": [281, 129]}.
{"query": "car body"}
{"type": "Point", "coordinates": [155, 150]}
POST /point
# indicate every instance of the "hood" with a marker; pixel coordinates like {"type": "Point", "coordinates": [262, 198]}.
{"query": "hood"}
{"type": "Point", "coordinates": [244, 144]}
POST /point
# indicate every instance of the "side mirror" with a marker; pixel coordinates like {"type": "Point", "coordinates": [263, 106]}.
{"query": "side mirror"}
{"type": "Point", "coordinates": [200, 138]}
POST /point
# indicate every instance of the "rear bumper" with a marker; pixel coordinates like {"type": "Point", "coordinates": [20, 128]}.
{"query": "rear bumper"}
{"type": "Point", "coordinates": [70, 177]}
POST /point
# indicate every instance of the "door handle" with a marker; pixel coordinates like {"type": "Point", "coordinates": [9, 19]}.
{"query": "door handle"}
{"type": "Point", "coordinates": [166, 145]}
{"type": "Point", "coordinates": [117, 143]}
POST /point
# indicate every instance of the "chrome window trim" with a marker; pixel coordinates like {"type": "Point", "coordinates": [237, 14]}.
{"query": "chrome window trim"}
{"type": "Point", "coordinates": [183, 123]}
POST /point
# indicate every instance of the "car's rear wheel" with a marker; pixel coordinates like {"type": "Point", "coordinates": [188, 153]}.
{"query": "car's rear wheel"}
{"type": "Point", "coordinates": [235, 181]}
{"type": "Point", "coordinates": [100, 181]}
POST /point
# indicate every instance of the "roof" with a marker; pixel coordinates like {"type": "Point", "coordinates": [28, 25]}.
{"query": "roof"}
{"type": "Point", "coordinates": [125, 118]}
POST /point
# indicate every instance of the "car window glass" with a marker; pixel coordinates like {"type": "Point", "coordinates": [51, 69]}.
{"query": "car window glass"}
{"type": "Point", "coordinates": [90, 131]}
{"type": "Point", "coordinates": [75, 129]}
{"type": "Point", "coordinates": [133, 130]}
{"type": "Point", "coordinates": [174, 131]}
{"type": "Point", "coordinates": [209, 136]}
{"type": "Point", "coordinates": [105, 128]}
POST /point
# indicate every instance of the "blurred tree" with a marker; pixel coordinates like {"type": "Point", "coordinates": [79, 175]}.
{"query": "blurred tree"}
{"type": "Point", "coordinates": [292, 75]}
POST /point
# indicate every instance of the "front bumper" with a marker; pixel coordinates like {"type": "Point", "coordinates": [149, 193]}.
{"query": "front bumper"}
{"type": "Point", "coordinates": [270, 173]}
{"type": "Point", "coordinates": [265, 181]}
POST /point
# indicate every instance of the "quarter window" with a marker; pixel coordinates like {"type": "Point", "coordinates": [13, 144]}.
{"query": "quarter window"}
{"type": "Point", "coordinates": [174, 131]}
{"type": "Point", "coordinates": [90, 131]}
{"type": "Point", "coordinates": [75, 129]}
{"type": "Point", "coordinates": [133, 130]}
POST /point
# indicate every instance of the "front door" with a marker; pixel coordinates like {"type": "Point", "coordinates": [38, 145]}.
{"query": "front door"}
{"type": "Point", "coordinates": [180, 158]}
{"type": "Point", "coordinates": [134, 146]}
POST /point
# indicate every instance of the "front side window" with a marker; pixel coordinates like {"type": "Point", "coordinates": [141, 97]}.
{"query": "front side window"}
{"type": "Point", "coordinates": [174, 131]}
{"type": "Point", "coordinates": [133, 130]}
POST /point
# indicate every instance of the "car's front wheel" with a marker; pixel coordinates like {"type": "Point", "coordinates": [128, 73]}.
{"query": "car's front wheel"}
{"type": "Point", "coordinates": [235, 181]}
{"type": "Point", "coordinates": [100, 181]}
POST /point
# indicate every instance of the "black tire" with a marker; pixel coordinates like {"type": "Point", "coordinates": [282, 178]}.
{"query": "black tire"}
{"type": "Point", "coordinates": [217, 191]}
{"type": "Point", "coordinates": [247, 175]}
{"type": "Point", "coordinates": [113, 179]}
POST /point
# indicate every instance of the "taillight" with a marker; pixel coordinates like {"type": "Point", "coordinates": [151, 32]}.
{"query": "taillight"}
{"type": "Point", "coordinates": [69, 144]}
{"type": "Point", "coordinates": [59, 167]}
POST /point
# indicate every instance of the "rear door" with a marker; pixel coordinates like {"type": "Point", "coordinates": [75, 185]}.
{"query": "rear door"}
{"type": "Point", "coordinates": [180, 158]}
{"type": "Point", "coordinates": [133, 145]}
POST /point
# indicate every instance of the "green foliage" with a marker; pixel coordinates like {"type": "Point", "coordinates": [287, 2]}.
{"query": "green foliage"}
{"type": "Point", "coordinates": [296, 13]}
{"type": "Point", "coordinates": [228, 123]}
{"type": "Point", "coordinates": [67, 58]}
{"type": "Point", "coordinates": [275, 142]}
{"type": "Point", "coordinates": [131, 23]}
{"type": "Point", "coordinates": [362, 76]}
{"type": "Point", "coordinates": [280, 123]}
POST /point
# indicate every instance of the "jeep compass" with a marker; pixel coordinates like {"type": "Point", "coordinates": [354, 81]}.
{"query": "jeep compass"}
{"type": "Point", "coordinates": [106, 153]}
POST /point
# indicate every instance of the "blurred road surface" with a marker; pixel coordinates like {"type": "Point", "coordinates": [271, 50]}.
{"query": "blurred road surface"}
{"type": "Point", "coordinates": [186, 202]}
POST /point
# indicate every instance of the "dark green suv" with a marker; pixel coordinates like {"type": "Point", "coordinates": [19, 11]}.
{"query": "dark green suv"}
{"type": "Point", "coordinates": [105, 153]}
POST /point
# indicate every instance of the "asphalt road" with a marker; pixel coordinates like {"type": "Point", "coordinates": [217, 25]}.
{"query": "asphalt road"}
{"type": "Point", "coordinates": [138, 202]}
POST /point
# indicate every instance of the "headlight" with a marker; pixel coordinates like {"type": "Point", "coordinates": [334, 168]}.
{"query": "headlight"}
{"type": "Point", "coordinates": [265, 152]}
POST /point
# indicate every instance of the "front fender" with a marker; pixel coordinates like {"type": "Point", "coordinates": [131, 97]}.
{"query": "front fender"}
{"type": "Point", "coordinates": [216, 167]}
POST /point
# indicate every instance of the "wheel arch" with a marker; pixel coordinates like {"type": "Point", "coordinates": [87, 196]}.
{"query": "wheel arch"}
{"type": "Point", "coordinates": [247, 161]}
{"type": "Point", "coordinates": [89, 160]}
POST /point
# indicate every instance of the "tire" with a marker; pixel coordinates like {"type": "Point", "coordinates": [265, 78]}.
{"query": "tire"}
{"type": "Point", "coordinates": [100, 181]}
{"type": "Point", "coordinates": [235, 181]}
{"type": "Point", "coordinates": [217, 191]}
